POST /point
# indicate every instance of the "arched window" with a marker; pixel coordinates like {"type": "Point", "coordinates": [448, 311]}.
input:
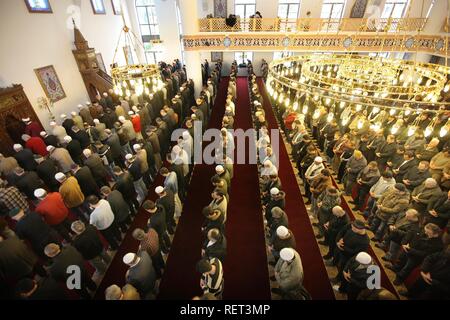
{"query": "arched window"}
{"type": "Point", "coordinates": [149, 28]}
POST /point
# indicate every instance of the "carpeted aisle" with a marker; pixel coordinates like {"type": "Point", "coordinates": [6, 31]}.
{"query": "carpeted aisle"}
{"type": "Point", "coordinates": [316, 278]}
{"type": "Point", "coordinates": [180, 279]}
{"type": "Point", "coordinates": [246, 273]}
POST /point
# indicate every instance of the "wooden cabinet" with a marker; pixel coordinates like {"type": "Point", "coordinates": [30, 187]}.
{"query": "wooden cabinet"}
{"type": "Point", "coordinates": [14, 106]}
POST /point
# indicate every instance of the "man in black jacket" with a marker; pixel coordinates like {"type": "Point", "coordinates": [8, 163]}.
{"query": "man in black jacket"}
{"type": "Point", "coordinates": [27, 182]}
{"type": "Point", "coordinates": [86, 180]}
{"type": "Point", "coordinates": [74, 148]}
{"type": "Point", "coordinates": [157, 221]}
{"type": "Point", "coordinates": [118, 206]}
{"type": "Point", "coordinates": [415, 248]}
{"type": "Point", "coordinates": [46, 170]}
{"type": "Point", "coordinates": [351, 240]}
{"type": "Point", "coordinates": [404, 166]}
{"type": "Point", "coordinates": [213, 219]}
{"type": "Point", "coordinates": [88, 243]}
{"type": "Point", "coordinates": [81, 136]}
{"type": "Point", "coordinates": [167, 201]}
{"type": "Point", "coordinates": [399, 227]}
{"type": "Point", "coordinates": [67, 258]}
{"type": "Point", "coordinates": [386, 150]}
{"type": "Point", "coordinates": [416, 175]}
{"type": "Point", "coordinates": [43, 289]}
{"type": "Point", "coordinates": [434, 280]}
{"type": "Point", "coordinates": [113, 142]}
{"type": "Point", "coordinates": [439, 210]}
{"type": "Point", "coordinates": [32, 227]}
{"type": "Point", "coordinates": [25, 158]}
{"type": "Point", "coordinates": [124, 183]}
{"type": "Point", "coordinates": [338, 221]}
{"type": "Point", "coordinates": [215, 245]}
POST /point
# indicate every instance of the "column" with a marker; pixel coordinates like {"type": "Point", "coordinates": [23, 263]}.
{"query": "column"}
{"type": "Point", "coordinates": [168, 29]}
{"type": "Point", "coordinates": [189, 22]}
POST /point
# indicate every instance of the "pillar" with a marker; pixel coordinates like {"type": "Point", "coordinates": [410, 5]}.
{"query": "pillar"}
{"type": "Point", "coordinates": [192, 60]}
{"type": "Point", "coordinates": [168, 29]}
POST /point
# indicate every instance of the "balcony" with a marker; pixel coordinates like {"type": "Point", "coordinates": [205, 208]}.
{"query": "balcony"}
{"type": "Point", "coordinates": [311, 25]}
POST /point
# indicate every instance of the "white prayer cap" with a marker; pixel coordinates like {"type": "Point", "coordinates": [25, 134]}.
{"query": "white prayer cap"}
{"type": "Point", "coordinates": [17, 147]}
{"type": "Point", "coordinates": [363, 258]}
{"type": "Point", "coordinates": [135, 108]}
{"type": "Point", "coordinates": [63, 116]}
{"type": "Point", "coordinates": [25, 137]}
{"type": "Point", "coordinates": [53, 123]}
{"type": "Point", "coordinates": [130, 113]}
{"type": "Point", "coordinates": [39, 193]}
{"type": "Point", "coordinates": [60, 176]}
{"type": "Point", "coordinates": [318, 159]}
{"type": "Point", "coordinates": [50, 148]}
{"type": "Point", "coordinates": [43, 133]}
{"type": "Point", "coordinates": [122, 119]}
{"type": "Point", "coordinates": [219, 169]}
{"type": "Point", "coordinates": [73, 113]}
{"type": "Point", "coordinates": [88, 103]}
{"type": "Point", "coordinates": [26, 120]}
{"type": "Point", "coordinates": [267, 163]}
{"type": "Point", "coordinates": [128, 156]}
{"type": "Point", "coordinates": [80, 106]}
{"type": "Point", "coordinates": [96, 121]}
{"type": "Point", "coordinates": [137, 147]}
{"type": "Point", "coordinates": [186, 134]}
{"type": "Point", "coordinates": [159, 189]}
{"type": "Point", "coordinates": [274, 191]}
{"type": "Point", "coordinates": [67, 139]}
{"type": "Point", "coordinates": [87, 153]}
{"type": "Point", "coordinates": [282, 231]}
{"type": "Point", "coordinates": [177, 96]}
{"type": "Point", "coordinates": [287, 254]}
{"type": "Point", "coordinates": [105, 94]}
{"type": "Point", "coordinates": [176, 149]}
{"type": "Point", "coordinates": [130, 259]}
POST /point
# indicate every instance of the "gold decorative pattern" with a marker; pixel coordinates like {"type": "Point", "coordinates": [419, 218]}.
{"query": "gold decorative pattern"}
{"type": "Point", "coordinates": [433, 44]}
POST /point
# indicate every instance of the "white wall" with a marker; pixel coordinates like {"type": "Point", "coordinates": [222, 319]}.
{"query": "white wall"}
{"type": "Point", "coordinates": [31, 41]}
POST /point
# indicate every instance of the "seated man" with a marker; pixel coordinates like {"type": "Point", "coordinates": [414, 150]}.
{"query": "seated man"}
{"type": "Point", "coordinates": [415, 248]}
{"type": "Point", "coordinates": [439, 210]}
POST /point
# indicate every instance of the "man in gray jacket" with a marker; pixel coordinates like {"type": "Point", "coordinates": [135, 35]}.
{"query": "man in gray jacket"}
{"type": "Point", "coordinates": [288, 272]}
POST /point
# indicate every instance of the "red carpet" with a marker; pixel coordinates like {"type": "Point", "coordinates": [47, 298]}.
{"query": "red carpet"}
{"type": "Point", "coordinates": [180, 279]}
{"type": "Point", "coordinates": [316, 277]}
{"type": "Point", "coordinates": [246, 273]}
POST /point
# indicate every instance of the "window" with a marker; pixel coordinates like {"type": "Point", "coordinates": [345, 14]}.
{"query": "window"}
{"type": "Point", "coordinates": [282, 54]}
{"type": "Point", "coordinates": [148, 25]}
{"type": "Point", "coordinates": [394, 9]}
{"type": "Point", "coordinates": [288, 11]}
{"type": "Point", "coordinates": [244, 8]}
{"type": "Point", "coordinates": [242, 57]}
{"type": "Point", "coordinates": [332, 9]}
{"type": "Point", "coordinates": [40, 6]}
{"type": "Point", "coordinates": [98, 7]}
{"type": "Point", "coordinates": [116, 7]}
{"type": "Point", "coordinates": [180, 30]}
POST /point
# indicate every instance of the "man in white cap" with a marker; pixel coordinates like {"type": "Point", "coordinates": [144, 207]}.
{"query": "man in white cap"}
{"type": "Point", "coordinates": [282, 238]}
{"type": "Point", "coordinates": [67, 123]}
{"type": "Point", "coordinates": [277, 199]}
{"type": "Point", "coordinates": [62, 158]}
{"type": "Point", "coordinates": [127, 126]}
{"type": "Point", "coordinates": [288, 272]}
{"type": "Point", "coordinates": [32, 128]}
{"type": "Point", "coordinates": [313, 172]}
{"type": "Point", "coordinates": [141, 155]}
{"type": "Point", "coordinates": [180, 156]}
{"type": "Point", "coordinates": [355, 275]}
{"type": "Point", "coordinates": [77, 120]}
{"type": "Point", "coordinates": [222, 173]}
{"type": "Point", "coordinates": [134, 168]}
{"type": "Point", "coordinates": [54, 212]}
{"type": "Point", "coordinates": [49, 139]}
{"type": "Point", "coordinates": [85, 113]}
{"type": "Point", "coordinates": [102, 217]}
{"type": "Point", "coordinates": [141, 273]}
{"type": "Point", "coordinates": [167, 201]}
{"type": "Point", "coordinates": [101, 129]}
{"type": "Point", "coordinates": [58, 131]}
{"type": "Point", "coordinates": [24, 157]}
{"type": "Point", "coordinates": [74, 148]}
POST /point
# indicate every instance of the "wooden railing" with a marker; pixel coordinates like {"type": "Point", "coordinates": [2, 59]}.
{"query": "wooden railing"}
{"type": "Point", "coordinates": [312, 25]}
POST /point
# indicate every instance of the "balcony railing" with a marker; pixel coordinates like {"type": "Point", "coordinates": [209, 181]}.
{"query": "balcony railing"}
{"type": "Point", "coordinates": [311, 25]}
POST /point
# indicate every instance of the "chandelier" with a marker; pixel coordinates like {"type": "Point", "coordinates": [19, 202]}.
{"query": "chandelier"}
{"type": "Point", "coordinates": [133, 78]}
{"type": "Point", "coordinates": [373, 85]}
